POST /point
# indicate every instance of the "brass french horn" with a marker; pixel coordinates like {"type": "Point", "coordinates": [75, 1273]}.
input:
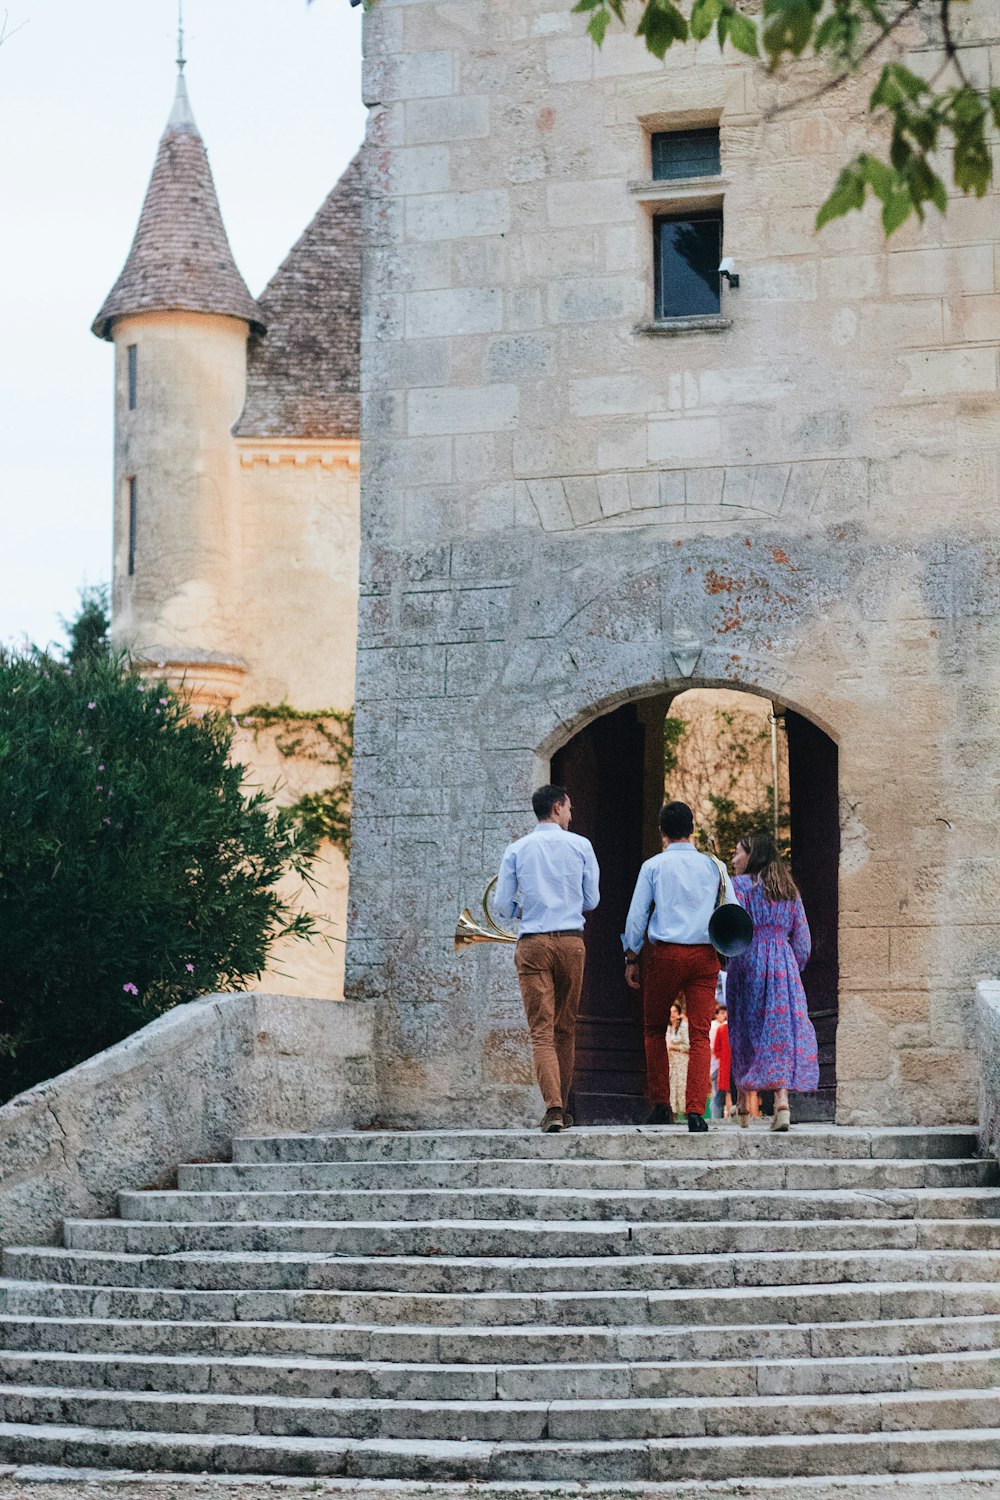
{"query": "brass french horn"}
{"type": "Point", "coordinates": [469, 931]}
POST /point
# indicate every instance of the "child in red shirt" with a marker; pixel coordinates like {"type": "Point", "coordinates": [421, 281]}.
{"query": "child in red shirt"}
{"type": "Point", "coordinates": [720, 1050]}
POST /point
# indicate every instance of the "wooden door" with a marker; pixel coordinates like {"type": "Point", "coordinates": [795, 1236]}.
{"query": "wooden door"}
{"type": "Point", "coordinates": [815, 831]}
{"type": "Point", "coordinates": [603, 769]}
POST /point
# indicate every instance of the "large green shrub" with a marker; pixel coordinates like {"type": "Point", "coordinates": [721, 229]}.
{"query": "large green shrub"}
{"type": "Point", "coordinates": [137, 869]}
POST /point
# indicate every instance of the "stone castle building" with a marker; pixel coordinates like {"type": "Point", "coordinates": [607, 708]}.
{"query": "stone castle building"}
{"type": "Point", "coordinates": [597, 473]}
{"type": "Point", "coordinates": [236, 479]}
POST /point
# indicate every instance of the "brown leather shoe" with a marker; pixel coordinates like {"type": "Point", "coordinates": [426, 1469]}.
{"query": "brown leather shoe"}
{"type": "Point", "coordinates": [567, 1120]}
{"type": "Point", "coordinates": [553, 1121]}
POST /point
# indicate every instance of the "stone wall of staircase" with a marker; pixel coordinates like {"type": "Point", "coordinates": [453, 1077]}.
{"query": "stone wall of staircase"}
{"type": "Point", "coordinates": [988, 1051]}
{"type": "Point", "coordinates": [181, 1087]}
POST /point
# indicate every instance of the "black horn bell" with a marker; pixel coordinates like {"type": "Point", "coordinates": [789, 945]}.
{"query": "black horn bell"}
{"type": "Point", "coordinates": [730, 930]}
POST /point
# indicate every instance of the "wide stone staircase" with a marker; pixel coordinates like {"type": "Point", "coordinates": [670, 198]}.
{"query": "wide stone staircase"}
{"type": "Point", "coordinates": [604, 1305]}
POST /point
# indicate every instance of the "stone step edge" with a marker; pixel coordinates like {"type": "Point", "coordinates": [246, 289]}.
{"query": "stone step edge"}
{"type": "Point", "coordinates": [486, 1331]}
{"type": "Point", "coordinates": [116, 1437]}
{"type": "Point", "coordinates": [688, 1163]}
{"type": "Point", "coordinates": [661, 1296]}
{"type": "Point", "coordinates": [576, 1194]}
{"type": "Point", "coordinates": [551, 1227]}
{"type": "Point", "coordinates": [66, 1483]}
{"type": "Point", "coordinates": [584, 1132]}
{"type": "Point", "coordinates": [319, 1363]}
{"type": "Point", "coordinates": [279, 1258]}
{"type": "Point", "coordinates": [734, 1405]}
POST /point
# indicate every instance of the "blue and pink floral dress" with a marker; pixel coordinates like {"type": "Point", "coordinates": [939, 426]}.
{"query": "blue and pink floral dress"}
{"type": "Point", "coordinates": [770, 1033]}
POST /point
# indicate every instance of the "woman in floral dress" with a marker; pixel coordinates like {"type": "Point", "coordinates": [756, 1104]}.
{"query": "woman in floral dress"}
{"type": "Point", "coordinates": [772, 1038]}
{"type": "Point", "coordinates": [678, 1047]}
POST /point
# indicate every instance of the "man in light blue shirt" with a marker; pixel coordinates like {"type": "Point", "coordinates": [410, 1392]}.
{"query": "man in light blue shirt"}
{"type": "Point", "coordinates": [549, 879]}
{"type": "Point", "coordinates": [674, 898]}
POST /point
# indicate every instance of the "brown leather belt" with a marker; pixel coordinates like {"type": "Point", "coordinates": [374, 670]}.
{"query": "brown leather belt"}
{"type": "Point", "coordinates": [561, 932]}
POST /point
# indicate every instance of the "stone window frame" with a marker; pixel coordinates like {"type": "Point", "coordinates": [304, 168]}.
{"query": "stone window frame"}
{"type": "Point", "coordinates": [674, 197]}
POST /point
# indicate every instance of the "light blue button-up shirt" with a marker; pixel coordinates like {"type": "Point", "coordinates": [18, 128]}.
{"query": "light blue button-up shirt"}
{"type": "Point", "coordinates": [680, 887]}
{"type": "Point", "coordinates": [548, 879]}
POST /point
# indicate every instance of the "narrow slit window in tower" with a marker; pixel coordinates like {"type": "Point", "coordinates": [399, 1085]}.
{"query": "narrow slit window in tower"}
{"type": "Point", "coordinates": [133, 376]}
{"type": "Point", "coordinates": [132, 503]}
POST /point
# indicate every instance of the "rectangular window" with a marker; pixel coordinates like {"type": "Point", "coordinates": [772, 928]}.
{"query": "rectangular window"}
{"type": "Point", "coordinates": [132, 503]}
{"type": "Point", "coordinates": [133, 377]}
{"type": "Point", "coordinates": [686, 153]}
{"type": "Point", "coordinates": [686, 267]}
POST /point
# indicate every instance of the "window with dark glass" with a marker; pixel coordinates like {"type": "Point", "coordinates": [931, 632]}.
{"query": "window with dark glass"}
{"type": "Point", "coordinates": [132, 508]}
{"type": "Point", "coordinates": [687, 249]}
{"type": "Point", "coordinates": [133, 377]}
{"type": "Point", "coordinates": [686, 153]}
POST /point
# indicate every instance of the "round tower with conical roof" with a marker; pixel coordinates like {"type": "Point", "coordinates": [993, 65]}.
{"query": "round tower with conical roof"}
{"type": "Point", "coordinates": [179, 316]}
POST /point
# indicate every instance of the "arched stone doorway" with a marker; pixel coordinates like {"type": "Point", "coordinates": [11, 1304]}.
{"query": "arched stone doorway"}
{"type": "Point", "coordinates": [614, 767]}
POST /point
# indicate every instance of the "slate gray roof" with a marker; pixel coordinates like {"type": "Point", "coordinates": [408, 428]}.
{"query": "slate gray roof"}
{"type": "Point", "coordinates": [303, 374]}
{"type": "Point", "coordinates": [180, 258]}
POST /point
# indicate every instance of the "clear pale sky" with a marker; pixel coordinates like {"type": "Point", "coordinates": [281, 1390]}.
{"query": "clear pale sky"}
{"type": "Point", "coordinates": [85, 90]}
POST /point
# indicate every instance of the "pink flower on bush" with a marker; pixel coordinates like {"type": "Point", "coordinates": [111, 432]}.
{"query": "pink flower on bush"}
{"type": "Point", "coordinates": [91, 705]}
{"type": "Point", "coordinates": [130, 989]}
{"type": "Point", "coordinates": [190, 968]}
{"type": "Point", "coordinates": [164, 701]}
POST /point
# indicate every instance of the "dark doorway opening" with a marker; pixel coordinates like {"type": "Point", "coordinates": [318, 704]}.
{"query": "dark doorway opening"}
{"type": "Point", "coordinates": [614, 769]}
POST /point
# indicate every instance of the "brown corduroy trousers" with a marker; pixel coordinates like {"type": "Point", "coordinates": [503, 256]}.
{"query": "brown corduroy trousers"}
{"type": "Point", "coordinates": [550, 972]}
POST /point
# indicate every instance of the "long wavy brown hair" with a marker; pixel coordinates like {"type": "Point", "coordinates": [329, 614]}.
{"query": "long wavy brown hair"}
{"type": "Point", "coordinates": [765, 864]}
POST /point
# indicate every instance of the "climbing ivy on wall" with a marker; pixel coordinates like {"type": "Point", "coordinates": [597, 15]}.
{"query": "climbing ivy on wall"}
{"type": "Point", "coordinates": [323, 735]}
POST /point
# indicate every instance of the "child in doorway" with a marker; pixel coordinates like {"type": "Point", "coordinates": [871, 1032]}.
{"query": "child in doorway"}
{"type": "Point", "coordinates": [721, 1099]}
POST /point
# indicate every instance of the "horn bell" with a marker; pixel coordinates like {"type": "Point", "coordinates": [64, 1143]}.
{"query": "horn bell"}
{"type": "Point", "coordinates": [469, 931]}
{"type": "Point", "coordinates": [730, 930]}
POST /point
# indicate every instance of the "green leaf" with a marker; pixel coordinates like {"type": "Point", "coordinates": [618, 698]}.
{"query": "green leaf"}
{"type": "Point", "coordinates": [741, 32]}
{"type": "Point", "coordinates": [788, 26]}
{"type": "Point", "coordinates": [848, 194]}
{"type": "Point", "coordinates": [704, 14]}
{"type": "Point", "coordinates": [598, 25]}
{"type": "Point", "coordinates": [896, 211]}
{"type": "Point", "coordinates": [662, 24]}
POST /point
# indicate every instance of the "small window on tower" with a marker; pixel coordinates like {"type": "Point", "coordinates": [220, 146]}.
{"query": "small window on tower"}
{"type": "Point", "coordinates": [132, 504]}
{"type": "Point", "coordinates": [685, 153]}
{"type": "Point", "coordinates": [133, 376]}
{"type": "Point", "coordinates": [686, 268]}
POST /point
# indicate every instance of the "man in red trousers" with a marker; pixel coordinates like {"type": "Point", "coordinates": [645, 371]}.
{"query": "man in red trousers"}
{"type": "Point", "coordinates": [674, 897]}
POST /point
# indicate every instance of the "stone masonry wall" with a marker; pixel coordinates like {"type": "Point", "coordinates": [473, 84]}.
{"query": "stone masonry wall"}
{"type": "Point", "coordinates": [557, 500]}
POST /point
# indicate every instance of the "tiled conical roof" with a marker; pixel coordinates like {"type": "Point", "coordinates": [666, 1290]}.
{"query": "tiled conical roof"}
{"type": "Point", "coordinates": [180, 259]}
{"type": "Point", "coordinates": [303, 375]}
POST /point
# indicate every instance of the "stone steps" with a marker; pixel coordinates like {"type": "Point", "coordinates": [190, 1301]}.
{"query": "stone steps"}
{"type": "Point", "coordinates": [882, 1312]}
{"type": "Point", "coordinates": [521, 1240]}
{"type": "Point", "coordinates": [873, 1249]}
{"type": "Point", "coordinates": [501, 1420]}
{"type": "Point", "coordinates": [561, 1204]}
{"type": "Point", "coordinates": [624, 1143]}
{"type": "Point", "coordinates": [319, 1379]}
{"type": "Point", "coordinates": [726, 1175]}
{"type": "Point", "coordinates": [621, 1305]}
{"type": "Point", "coordinates": [827, 1454]}
{"type": "Point", "coordinates": [942, 1330]}
{"type": "Point", "coordinates": [774, 1292]}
